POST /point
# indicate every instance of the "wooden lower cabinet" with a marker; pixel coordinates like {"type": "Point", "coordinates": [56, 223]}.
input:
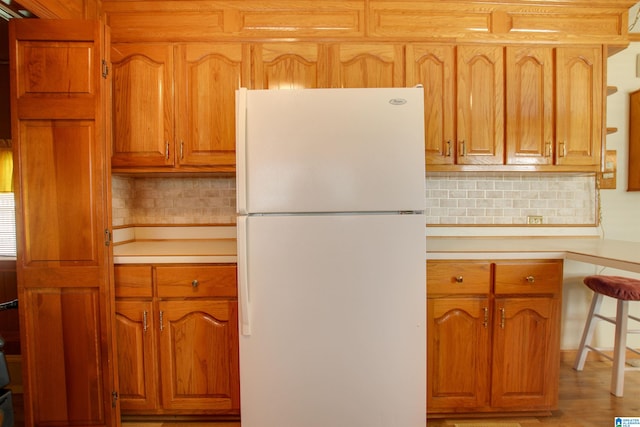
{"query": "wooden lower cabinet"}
{"type": "Point", "coordinates": [493, 336]}
{"type": "Point", "coordinates": [177, 339]}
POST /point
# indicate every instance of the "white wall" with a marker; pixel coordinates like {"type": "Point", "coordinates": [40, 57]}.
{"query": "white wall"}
{"type": "Point", "coordinates": [620, 208]}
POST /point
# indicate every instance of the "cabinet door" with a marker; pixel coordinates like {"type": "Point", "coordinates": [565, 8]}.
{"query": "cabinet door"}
{"type": "Point", "coordinates": [433, 67]}
{"type": "Point", "coordinates": [529, 105]}
{"type": "Point", "coordinates": [526, 353]}
{"type": "Point", "coordinates": [579, 113]}
{"type": "Point", "coordinates": [458, 343]}
{"type": "Point", "coordinates": [290, 66]}
{"type": "Point", "coordinates": [142, 114]}
{"type": "Point", "coordinates": [137, 360]}
{"type": "Point", "coordinates": [199, 355]}
{"type": "Point", "coordinates": [358, 65]}
{"type": "Point", "coordinates": [480, 105]}
{"type": "Point", "coordinates": [207, 78]}
{"type": "Point", "coordinates": [62, 214]}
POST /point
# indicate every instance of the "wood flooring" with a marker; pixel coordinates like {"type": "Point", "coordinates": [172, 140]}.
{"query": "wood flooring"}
{"type": "Point", "coordinates": [585, 401]}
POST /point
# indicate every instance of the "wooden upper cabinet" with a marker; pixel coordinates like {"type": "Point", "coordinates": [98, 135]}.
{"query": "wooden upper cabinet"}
{"type": "Point", "coordinates": [480, 105]}
{"type": "Point", "coordinates": [208, 75]}
{"type": "Point", "coordinates": [579, 93]}
{"type": "Point", "coordinates": [366, 65]}
{"type": "Point", "coordinates": [529, 82]}
{"type": "Point", "coordinates": [142, 101]}
{"type": "Point", "coordinates": [290, 66]}
{"type": "Point", "coordinates": [174, 105]}
{"type": "Point", "coordinates": [433, 66]}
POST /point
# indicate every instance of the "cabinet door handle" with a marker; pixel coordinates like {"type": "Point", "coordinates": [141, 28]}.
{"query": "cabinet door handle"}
{"type": "Point", "coordinates": [463, 150]}
{"type": "Point", "coordinates": [195, 283]}
{"type": "Point", "coordinates": [561, 149]}
{"type": "Point", "coordinates": [181, 150]}
{"type": "Point", "coordinates": [530, 279]}
{"type": "Point", "coordinates": [166, 150]}
{"type": "Point", "coordinates": [548, 151]}
{"type": "Point", "coordinates": [503, 317]}
{"type": "Point", "coordinates": [448, 148]}
{"type": "Point", "coordinates": [144, 321]}
{"type": "Point", "coordinates": [459, 279]}
{"type": "Point", "coordinates": [161, 320]}
{"type": "Point", "coordinates": [485, 323]}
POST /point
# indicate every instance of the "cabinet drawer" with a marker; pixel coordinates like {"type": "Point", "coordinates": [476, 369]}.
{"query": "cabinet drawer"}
{"type": "Point", "coordinates": [133, 281]}
{"type": "Point", "coordinates": [196, 281]}
{"type": "Point", "coordinates": [454, 277]}
{"type": "Point", "coordinates": [535, 277]}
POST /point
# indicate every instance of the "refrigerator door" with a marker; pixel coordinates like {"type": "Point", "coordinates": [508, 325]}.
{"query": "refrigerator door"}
{"type": "Point", "coordinates": [337, 312]}
{"type": "Point", "coordinates": [330, 150]}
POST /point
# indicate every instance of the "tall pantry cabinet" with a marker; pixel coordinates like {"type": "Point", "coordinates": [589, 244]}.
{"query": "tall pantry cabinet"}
{"type": "Point", "coordinates": [64, 258]}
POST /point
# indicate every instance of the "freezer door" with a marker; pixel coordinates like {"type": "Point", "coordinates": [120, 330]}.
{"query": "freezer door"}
{"type": "Point", "coordinates": [336, 306]}
{"type": "Point", "coordinates": [330, 150]}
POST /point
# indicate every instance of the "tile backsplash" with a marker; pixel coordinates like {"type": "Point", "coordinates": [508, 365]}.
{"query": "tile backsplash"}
{"type": "Point", "coordinates": [451, 199]}
{"type": "Point", "coordinates": [169, 200]}
{"type": "Point", "coordinates": [508, 198]}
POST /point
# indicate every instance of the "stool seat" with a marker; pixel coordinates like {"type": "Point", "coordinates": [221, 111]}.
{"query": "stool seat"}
{"type": "Point", "coordinates": [623, 289]}
{"type": "Point", "coordinates": [617, 287]}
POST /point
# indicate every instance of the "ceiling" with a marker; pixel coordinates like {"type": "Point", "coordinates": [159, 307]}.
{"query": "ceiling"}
{"type": "Point", "coordinates": [10, 9]}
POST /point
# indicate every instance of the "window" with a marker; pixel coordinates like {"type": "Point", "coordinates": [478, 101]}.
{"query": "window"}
{"type": "Point", "coordinates": [7, 225]}
{"type": "Point", "coordinates": [7, 202]}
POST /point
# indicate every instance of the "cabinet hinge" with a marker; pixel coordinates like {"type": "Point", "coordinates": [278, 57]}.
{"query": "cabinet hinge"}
{"type": "Point", "coordinates": [107, 237]}
{"type": "Point", "coordinates": [114, 398]}
{"type": "Point", "coordinates": [105, 69]}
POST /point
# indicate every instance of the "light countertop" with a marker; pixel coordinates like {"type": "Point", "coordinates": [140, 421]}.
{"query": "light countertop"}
{"type": "Point", "coordinates": [205, 244]}
{"type": "Point", "coordinates": [191, 244]}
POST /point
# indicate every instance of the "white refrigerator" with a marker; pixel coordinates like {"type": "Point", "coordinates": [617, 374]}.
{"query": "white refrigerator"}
{"type": "Point", "coordinates": [331, 257]}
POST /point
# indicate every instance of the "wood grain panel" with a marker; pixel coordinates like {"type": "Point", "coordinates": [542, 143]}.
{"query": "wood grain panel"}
{"type": "Point", "coordinates": [290, 65]}
{"type": "Point", "coordinates": [458, 277]}
{"type": "Point", "coordinates": [137, 361]}
{"type": "Point", "coordinates": [199, 355]}
{"type": "Point", "coordinates": [143, 106]}
{"type": "Point", "coordinates": [528, 377]}
{"type": "Point", "coordinates": [537, 277]}
{"type": "Point", "coordinates": [412, 19]}
{"type": "Point", "coordinates": [530, 83]}
{"type": "Point", "coordinates": [210, 281]}
{"type": "Point", "coordinates": [433, 66]}
{"type": "Point", "coordinates": [56, 158]}
{"type": "Point", "coordinates": [458, 361]}
{"type": "Point", "coordinates": [64, 360]}
{"type": "Point", "coordinates": [133, 281]}
{"type": "Point", "coordinates": [208, 76]}
{"type": "Point", "coordinates": [62, 214]}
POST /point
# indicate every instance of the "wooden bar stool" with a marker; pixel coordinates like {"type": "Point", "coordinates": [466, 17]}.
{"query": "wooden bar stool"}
{"type": "Point", "coordinates": [623, 289]}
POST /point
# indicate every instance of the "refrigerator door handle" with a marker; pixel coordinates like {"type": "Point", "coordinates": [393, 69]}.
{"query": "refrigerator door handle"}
{"type": "Point", "coordinates": [243, 282]}
{"type": "Point", "coordinates": [241, 157]}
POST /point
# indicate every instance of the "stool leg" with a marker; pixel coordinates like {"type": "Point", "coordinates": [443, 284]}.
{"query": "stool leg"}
{"type": "Point", "coordinates": [587, 334]}
{"type": "Point", "coordinates": [620, 348]}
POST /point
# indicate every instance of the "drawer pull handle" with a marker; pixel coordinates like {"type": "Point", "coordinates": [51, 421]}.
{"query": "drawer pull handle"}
{"type": "Point", "coordinates": [459, 279]}
{"type": "Point", "coordinates": [195, 283]}
{"type": "Point", "coordinates": [530, 279]}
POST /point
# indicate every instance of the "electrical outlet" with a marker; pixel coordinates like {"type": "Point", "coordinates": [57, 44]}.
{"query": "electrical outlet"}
{"type": "Point", "coordinates": [534, 219]}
